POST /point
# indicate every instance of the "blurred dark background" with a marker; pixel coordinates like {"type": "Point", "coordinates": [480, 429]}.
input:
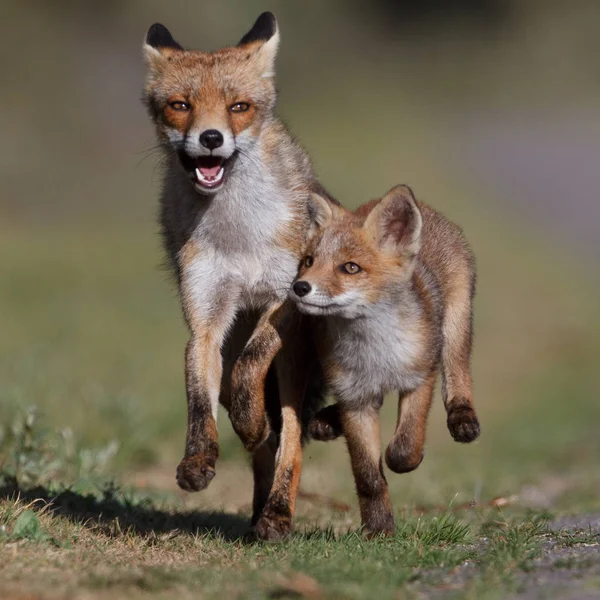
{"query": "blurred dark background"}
{"type": "Point", "coordinates": [489, 109]}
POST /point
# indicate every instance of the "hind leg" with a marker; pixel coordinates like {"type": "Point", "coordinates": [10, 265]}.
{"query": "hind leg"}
{"type": "Point", "coordinates": [456, 359]}
{"type": "Point", "coordinates": [263, 469]}
{"type": "Point", "coordinates": [405, 452]}
{"type": "Point", "coordinates": [276, 519]}
{"type": "Point", "coordinates": [361, 430]}
{"type": "Point", "coordinates": [326, 425]}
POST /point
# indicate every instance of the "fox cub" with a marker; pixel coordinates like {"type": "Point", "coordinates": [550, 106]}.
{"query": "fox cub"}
{"type": "Point", "coordinates": [394, 284]}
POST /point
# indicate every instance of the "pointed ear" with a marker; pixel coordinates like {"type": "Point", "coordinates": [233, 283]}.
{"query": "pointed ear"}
{"type": "Point", "coordinates": [263, 29]}
{"type": "Point", "coordinates": [322, 213]}
{"type": "Point", "coordinates": [396, 222]}
{"type": "Point", "coordinates": [263, 38]}
{"type": "Point", "coordinates": [157, 41]}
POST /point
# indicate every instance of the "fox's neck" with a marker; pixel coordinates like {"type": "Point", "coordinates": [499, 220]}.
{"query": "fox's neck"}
{"type": "Point", "coordinates": [397, 310]}
{"type": "Point", "coordinates": [367, 356]}
{"type": "Point", "coordinates": [262, 195]}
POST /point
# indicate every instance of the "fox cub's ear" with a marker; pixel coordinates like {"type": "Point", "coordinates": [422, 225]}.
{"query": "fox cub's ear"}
{"type": "Point", "coordinates": [158, 42]}
{"type": "Point", "coordinates": [322, 213]}
{"type": "Point", "coordinates": [263, 39]}
{"type": "Point", "coordinates": [396, 222]}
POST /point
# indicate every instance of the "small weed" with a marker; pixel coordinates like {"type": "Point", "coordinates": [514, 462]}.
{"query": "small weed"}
{"type": "Point", "coordinates": [32, 455]}
{"type": "Point", "coordinates": [28, 527]}
{"type": "Point", "coordinates": [515, 547]}
{"type": "Point", "coordinates": [569, 538]}
{"type": "Point", "coordinates": [446, 529]}
{"type": "Point", "coordinates": [23, 523]}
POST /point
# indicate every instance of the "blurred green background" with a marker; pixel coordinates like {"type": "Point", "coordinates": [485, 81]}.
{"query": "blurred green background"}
{"type": "Point", "coordinates": [489, 109]}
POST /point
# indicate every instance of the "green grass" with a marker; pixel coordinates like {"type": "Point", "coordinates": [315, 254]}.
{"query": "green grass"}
{"type": "Point", "coordinates": [121, 555]}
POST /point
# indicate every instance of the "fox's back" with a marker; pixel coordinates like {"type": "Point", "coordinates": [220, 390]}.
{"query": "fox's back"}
{"type": "Point", "coordinates": [444, 251]}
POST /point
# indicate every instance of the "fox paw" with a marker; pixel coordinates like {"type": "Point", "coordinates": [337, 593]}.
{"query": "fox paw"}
{"type": "Point", "coordinates": [399, 461]}
{"type": "Point", "coordinates": [463, 424]}
{"type": "Point", "coordinates": [377, 531]}
{"type": "Point", "coordinates": [326, 425]}
{"type": "Point", "coordinates": [194, 473]}
{"type": "Point", "coordinates": [273, 527]}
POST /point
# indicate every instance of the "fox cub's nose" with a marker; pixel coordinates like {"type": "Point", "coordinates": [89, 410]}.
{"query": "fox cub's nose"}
{"type": "Point", "coordinates": [301, 288]}
{"type": "Point", "coordinates": [211, 139]}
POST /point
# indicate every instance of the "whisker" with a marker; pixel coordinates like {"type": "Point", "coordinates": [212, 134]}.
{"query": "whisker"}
{"type": "Point", "coordinates": [152, 149]}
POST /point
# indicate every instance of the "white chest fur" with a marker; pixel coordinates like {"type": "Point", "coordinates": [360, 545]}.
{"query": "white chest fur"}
{"type": "Point", "coordinates": [373, 355]}
{"type": "Point", "coordinates": [237, 238]}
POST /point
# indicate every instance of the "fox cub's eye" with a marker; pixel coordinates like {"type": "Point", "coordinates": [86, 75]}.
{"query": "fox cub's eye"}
{"type": "Point", "coordinates": [178, 105]}
{"type": "Point", "coordinates": [239, 107]}
{"type": "Point", "coordinates": [308, 262]}
{"type": "Point", "coordinates": [351, 268]}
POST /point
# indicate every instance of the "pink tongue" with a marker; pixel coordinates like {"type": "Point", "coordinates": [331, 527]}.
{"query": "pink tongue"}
{"type": "Point", "coordinates": [210, 172]}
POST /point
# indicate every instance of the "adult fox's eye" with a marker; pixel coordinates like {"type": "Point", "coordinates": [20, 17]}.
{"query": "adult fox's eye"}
{"type": "Point", "coordinates": [178, 105]}
{"type": "Point", "coordinates": [308, 262]}
{"type": "Point", "coordinates": [239, 107]}
{"type": "Point", "coordinates": [351, 268]}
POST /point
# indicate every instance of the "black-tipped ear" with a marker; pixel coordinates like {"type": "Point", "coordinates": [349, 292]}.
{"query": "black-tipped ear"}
{"type": "Point", "coordinates": [159, 36]}
{"type": "Point", "coordinates": [262, 31]}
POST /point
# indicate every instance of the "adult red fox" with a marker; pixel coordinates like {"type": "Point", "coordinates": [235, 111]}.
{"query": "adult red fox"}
{"type": "Point", "coordinates": [235, 215]}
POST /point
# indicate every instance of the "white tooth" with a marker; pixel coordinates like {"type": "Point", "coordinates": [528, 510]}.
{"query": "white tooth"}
{"type": "Point", "coordinates": [212, 180]}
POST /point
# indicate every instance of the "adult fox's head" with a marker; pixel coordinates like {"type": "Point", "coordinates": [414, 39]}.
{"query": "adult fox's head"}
{"type": "Point", "coordinates": [354, 259]}
{"type": "Point", "coordinates": [209, 107]}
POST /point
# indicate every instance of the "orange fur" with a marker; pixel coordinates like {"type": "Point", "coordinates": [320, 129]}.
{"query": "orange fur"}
{"type": "Point", "coordinates": [234, 240]}
{"type": "Point", "coordinates": [401, 314]}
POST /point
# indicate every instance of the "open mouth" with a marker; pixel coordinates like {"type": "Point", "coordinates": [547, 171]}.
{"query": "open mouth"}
{"type": "Point", "coordinates": [209, 171]}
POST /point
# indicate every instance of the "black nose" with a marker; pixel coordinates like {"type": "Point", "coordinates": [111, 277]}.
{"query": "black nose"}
{"type": "Point", "coordinates": [211, 139]}
{"type": "Point", "coordinates": [301, 288]}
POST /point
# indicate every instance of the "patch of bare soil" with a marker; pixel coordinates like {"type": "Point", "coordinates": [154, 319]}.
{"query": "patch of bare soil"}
{"type": "Point", "coordinates": [567, 569]}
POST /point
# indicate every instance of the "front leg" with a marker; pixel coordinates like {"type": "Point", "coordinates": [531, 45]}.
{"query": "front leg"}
{"type": "Point", "coordinates": [203, 372]}
{"type": "Point", "coordinates": [247, 404]}
{"type": "Point", "coordinates": [361, 430]}
{"type": "Point", "coordinates": [209, 308]}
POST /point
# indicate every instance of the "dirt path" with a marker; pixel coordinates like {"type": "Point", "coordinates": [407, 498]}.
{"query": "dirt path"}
{"type": "Point", "coordinates": [568, 567]}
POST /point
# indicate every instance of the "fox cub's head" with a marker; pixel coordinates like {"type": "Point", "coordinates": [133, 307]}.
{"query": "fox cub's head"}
{"type": "Point", "coordinates": [356, 259]}
{"type": "Point", "coordinates": [209, 106]}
